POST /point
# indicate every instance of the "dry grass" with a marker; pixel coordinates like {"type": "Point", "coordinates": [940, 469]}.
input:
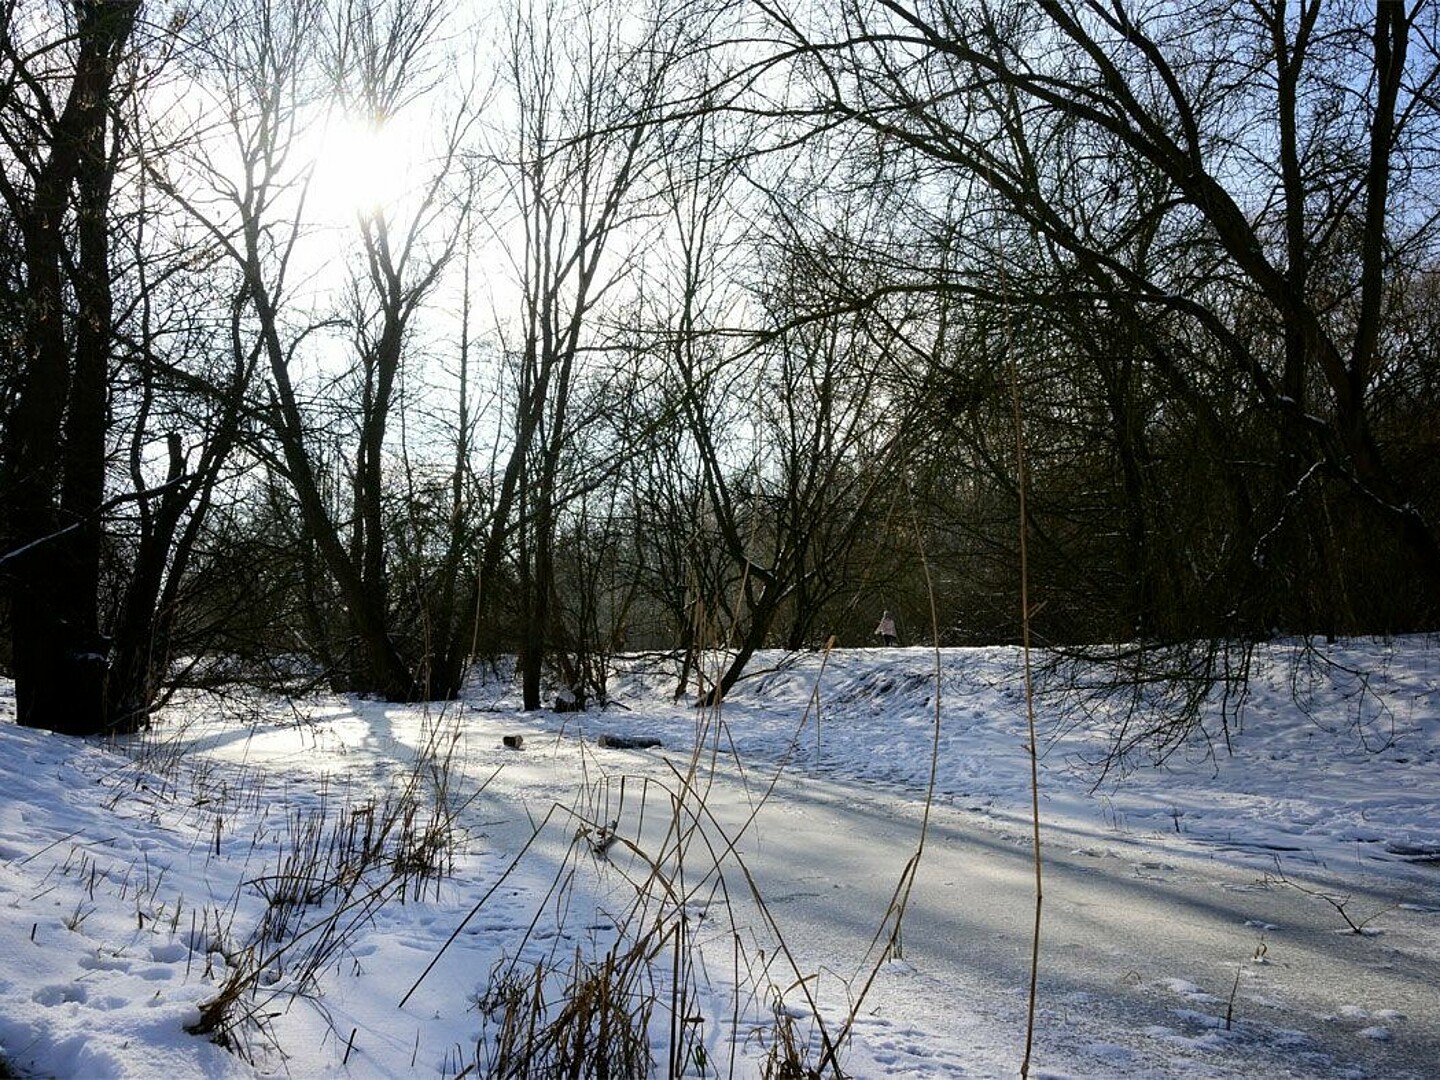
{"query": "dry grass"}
{"type": "Point", "coordinates": [333, 863]}
{"type": "Point", "coordinates": [638, 999]}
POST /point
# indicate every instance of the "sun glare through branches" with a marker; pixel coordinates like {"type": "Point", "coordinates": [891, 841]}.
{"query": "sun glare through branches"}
{"type": "Point", "coordinates": [361, 168]}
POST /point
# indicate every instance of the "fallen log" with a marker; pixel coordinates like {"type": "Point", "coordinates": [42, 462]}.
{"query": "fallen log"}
{"type": "Point", "coordinates": [627, 742]}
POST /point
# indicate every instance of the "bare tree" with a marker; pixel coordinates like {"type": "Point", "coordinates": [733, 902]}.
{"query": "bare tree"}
{"type": "Point", "coordinates": [825, 443]}
{"type": "Point", "coordinates": [276, 93]}
{"type": "Point", "coordinates": [59, 83]}
{"type": "Point", "coordinates": [589, 92]}
{"type": "Point", "coordinates": [379, 69]}
{"type": "Point", "coordinates": [1228, 188]}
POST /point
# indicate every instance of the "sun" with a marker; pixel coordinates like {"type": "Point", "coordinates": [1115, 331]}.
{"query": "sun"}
{"type": "Point", "coordinates": [361, 167]}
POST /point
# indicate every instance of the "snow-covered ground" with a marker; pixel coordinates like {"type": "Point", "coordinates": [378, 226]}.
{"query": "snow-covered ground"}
{"type": "Point", "coordinates": [1274, 911]}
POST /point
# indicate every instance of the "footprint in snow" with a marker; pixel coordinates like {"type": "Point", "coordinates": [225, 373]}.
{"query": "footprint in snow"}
{"type": "Point", "coordinates": [60, 994]}
{"type": "Point", "coordinates": [172, 953]}
{"type": "Point", "coordinates": [1187, 989]}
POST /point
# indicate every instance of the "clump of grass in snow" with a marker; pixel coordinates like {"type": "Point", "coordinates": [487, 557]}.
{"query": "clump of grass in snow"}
{"type": "Point", "coordinates": [586, 1017]}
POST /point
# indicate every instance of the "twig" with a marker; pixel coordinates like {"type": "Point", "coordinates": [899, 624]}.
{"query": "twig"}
{"type": "Point", "coordinates": [1026, 613]}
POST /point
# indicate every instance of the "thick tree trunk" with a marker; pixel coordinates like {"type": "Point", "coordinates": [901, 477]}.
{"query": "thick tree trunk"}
{"type": "Point", "coordinates": [53, 474]}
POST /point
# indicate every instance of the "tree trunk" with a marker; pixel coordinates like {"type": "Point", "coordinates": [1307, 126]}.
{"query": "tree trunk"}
{"type": "Point", "coordinates": [53, 474]}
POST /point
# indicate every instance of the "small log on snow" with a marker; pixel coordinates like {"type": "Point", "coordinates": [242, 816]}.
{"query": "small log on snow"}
{"type": "Point", "coordinates": [513, 742]}
{"type": "Point", "coordinates": [626, 742]}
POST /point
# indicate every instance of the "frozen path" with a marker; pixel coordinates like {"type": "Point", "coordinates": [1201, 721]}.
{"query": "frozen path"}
{"type": "Point", "coordinates": [1147, 944]}
{"type": "Point", "coordinates": [1141, 948]}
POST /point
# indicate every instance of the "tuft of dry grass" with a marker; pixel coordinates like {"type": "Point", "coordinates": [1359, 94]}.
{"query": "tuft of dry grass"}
{"type": "Point", "coordinates": [587, 1018]}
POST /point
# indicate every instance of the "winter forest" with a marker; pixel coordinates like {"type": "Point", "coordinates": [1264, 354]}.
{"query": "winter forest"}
{"type": "Point", "coordinates": [350, 341]}
{"type": "Point", "coordinates": [356, 347]}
